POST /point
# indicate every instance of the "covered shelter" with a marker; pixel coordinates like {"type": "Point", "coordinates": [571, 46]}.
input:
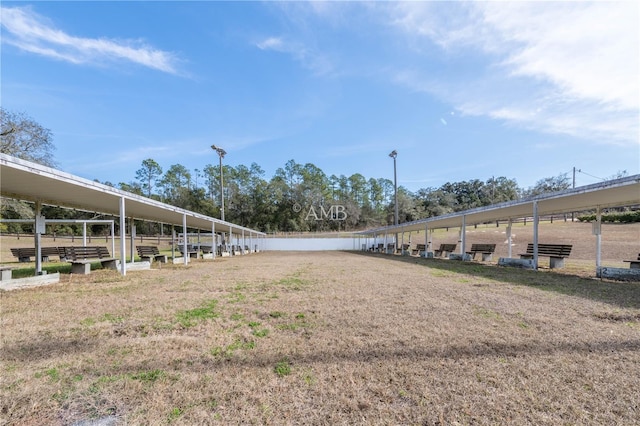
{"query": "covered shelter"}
{"type": "Point", "coordinates": [613, 193]}
{"type": "Point", "coordinates": [28, 181]}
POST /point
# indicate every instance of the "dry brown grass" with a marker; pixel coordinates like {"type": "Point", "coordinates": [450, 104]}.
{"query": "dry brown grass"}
{"type": "Point", "coordinates": [367, 339]}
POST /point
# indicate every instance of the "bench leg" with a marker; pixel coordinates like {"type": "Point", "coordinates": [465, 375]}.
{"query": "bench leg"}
{"type": "Point", "coordinates": [556, 262]}
{"type": "Point", "coordinates": [486, 256]}
{"type": "Point", "coordinates": [5, 275]}
{"type": "Point", "coordinates": [110, 264]}
{"type": "Point", "coordinates": [634, 265]}
{"type": "Point", "coordinates": [81, 268]}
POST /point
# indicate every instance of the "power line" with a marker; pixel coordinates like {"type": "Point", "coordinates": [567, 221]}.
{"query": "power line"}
{"type": "Point", "coordinates": [585, 173]}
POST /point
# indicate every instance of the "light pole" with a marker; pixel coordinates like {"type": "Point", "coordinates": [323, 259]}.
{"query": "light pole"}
{"type": "Point", "coordinates": [221, 153]}
{"type": "Point", "coordinates": [393, 155]}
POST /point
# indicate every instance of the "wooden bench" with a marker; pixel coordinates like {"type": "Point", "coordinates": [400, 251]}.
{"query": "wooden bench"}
{"type": "Point", "coordinates": [151, 253]}
{"type": "Point", "coordinates": [391, 248]}
{"type": "Point", "coordinates": [419, 249]}
{"type": "Point", "coordinates": [445, 249]}
{"type": "Point", "coordinates": [81, 258]}
{"type": "Point", "coordinates": [404, 248]}
{"type": "Point", "coordinates": [555, 252]}
{"type": "Point", "coordinates": [26, 253]}
{"type": "Point", "coordinates": [486, 250]}
{"type": "Point", "coordinates": [634, 264]}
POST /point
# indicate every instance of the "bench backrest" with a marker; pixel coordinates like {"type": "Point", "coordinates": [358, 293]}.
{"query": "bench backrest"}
{"type": "Point", "coordinates": [82, 253]}
{"type": "Point", "coordinates": [483, 248]}
{"type": "Point", "coordinates": [147, 250]}
{"type": "Point", "coordinates": [31, 251]}
{"type": "Point", "coordinates": [559, 250]}
{"type": "Point", "coordinates": [420, 247]}
{"type": "Point", "coordinates": [447, 247]}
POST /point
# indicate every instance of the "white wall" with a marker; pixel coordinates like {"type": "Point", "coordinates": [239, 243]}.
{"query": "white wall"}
{"type": "Point", "coordinates": [311, 244]}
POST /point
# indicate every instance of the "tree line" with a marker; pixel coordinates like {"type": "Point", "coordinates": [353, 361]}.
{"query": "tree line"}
{"type": "Point", "coordinates": [298, 197]}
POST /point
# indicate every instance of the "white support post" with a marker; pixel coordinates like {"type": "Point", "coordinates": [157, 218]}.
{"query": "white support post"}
{"type": "Point", "coordinates": [173, 242]}
{"type": "Point", "coordinates": [426, 238]}
{"type": "Point", "coordinates": [597, 230]}
{"type": "Point", "coordinates": [132, 239]}
{"type": "Point", "coordinates": [123, 253]}
{"type": "Point", "coordinates": [113, 238]}
{"type": "Point", "coordinates": [185, 239]}
{"type": "Point", "coordinates": [214, 240]}
{"type": "Point", "coordinates": [535, 235]}
{"type": "Point", "coordinates": [509, 238]}
{"type": "Point", "coordinates": [231, 239]}
{"type": "Point", "coordinates": [84, 234]}
{"type": "Point", "coordinates": [37, 229]}
{"type": "Point", "coordinates": [463, 234]}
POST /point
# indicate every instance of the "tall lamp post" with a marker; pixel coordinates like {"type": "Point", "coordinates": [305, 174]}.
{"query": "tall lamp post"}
{"type": "Point", "coordinates": [393, 155]}
{"type": "Point", "coordinates": [221, 153]}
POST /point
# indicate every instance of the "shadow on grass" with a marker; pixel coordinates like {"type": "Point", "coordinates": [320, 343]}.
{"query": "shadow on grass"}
{"type": "Point", "coordinates": [63, 268]}
{"type": "Point", "coordinates": [621, 294]}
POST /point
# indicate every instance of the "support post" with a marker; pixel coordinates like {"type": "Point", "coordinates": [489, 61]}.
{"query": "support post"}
{"type": "Point", "coordinates": [463, 234]}
{"type": "Point", "coordinates": [597, 230]}
{"type": "Point", "coordinates": [185, 239]}
{"type": "Point", "coordinates": [535, 235]}
{"type": "Point", "coordinates": [39, 224]}
{"type": "Point", "coordinates": [123, 252]}
{"type": "Point", "coordinates": [113, 238]}
{"type": "Point", "coordinates": [214, 240]}
{"type": "Point", "coordinates": [509, 237]}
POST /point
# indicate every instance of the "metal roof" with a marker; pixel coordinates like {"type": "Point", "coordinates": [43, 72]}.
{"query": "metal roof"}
{"type": "Point", "coordinates": [613, 193]}
{"type": "Point", "coordinates": [24, 180]}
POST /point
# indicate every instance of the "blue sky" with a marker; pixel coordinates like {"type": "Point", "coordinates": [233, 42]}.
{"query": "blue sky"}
{"type": "Point", "coordinates": [462, 90]}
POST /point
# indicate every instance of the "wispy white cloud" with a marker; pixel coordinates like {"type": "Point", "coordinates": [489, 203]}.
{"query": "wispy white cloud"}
{"type": "Point", "coordinates": [33, 33]}
{"type": "Point", "coordinates": [561, 67]}
{"type": "Point", "coordinates": [309, 58]}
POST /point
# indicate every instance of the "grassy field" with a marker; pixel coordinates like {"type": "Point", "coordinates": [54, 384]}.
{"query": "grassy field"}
{"type": "Point", "coordinates": [324, 338]}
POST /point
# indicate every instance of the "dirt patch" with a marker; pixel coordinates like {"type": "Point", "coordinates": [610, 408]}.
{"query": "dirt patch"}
{"type": "Point", "coordinates": [322, 338]}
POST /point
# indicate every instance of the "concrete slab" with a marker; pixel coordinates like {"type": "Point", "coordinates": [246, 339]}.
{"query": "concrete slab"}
{"type": "Point", "coordinates": [517, 263]}
{"type": "Point", "coordinates": [35, 281]}
{"type": "Point", "coordinates": [139, 266]}
{"type": "Point", "coordinates": [619, 274]}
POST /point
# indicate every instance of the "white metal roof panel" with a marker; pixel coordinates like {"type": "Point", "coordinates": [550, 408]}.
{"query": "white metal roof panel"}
{"type": "Point", "coordinates": [29, 181]}
{"type": "Point", "coordinates": [614, 193]}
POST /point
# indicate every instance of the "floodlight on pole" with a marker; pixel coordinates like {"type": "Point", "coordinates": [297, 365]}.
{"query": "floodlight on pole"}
{"type": "Point", "coordinates": [221, 153]}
